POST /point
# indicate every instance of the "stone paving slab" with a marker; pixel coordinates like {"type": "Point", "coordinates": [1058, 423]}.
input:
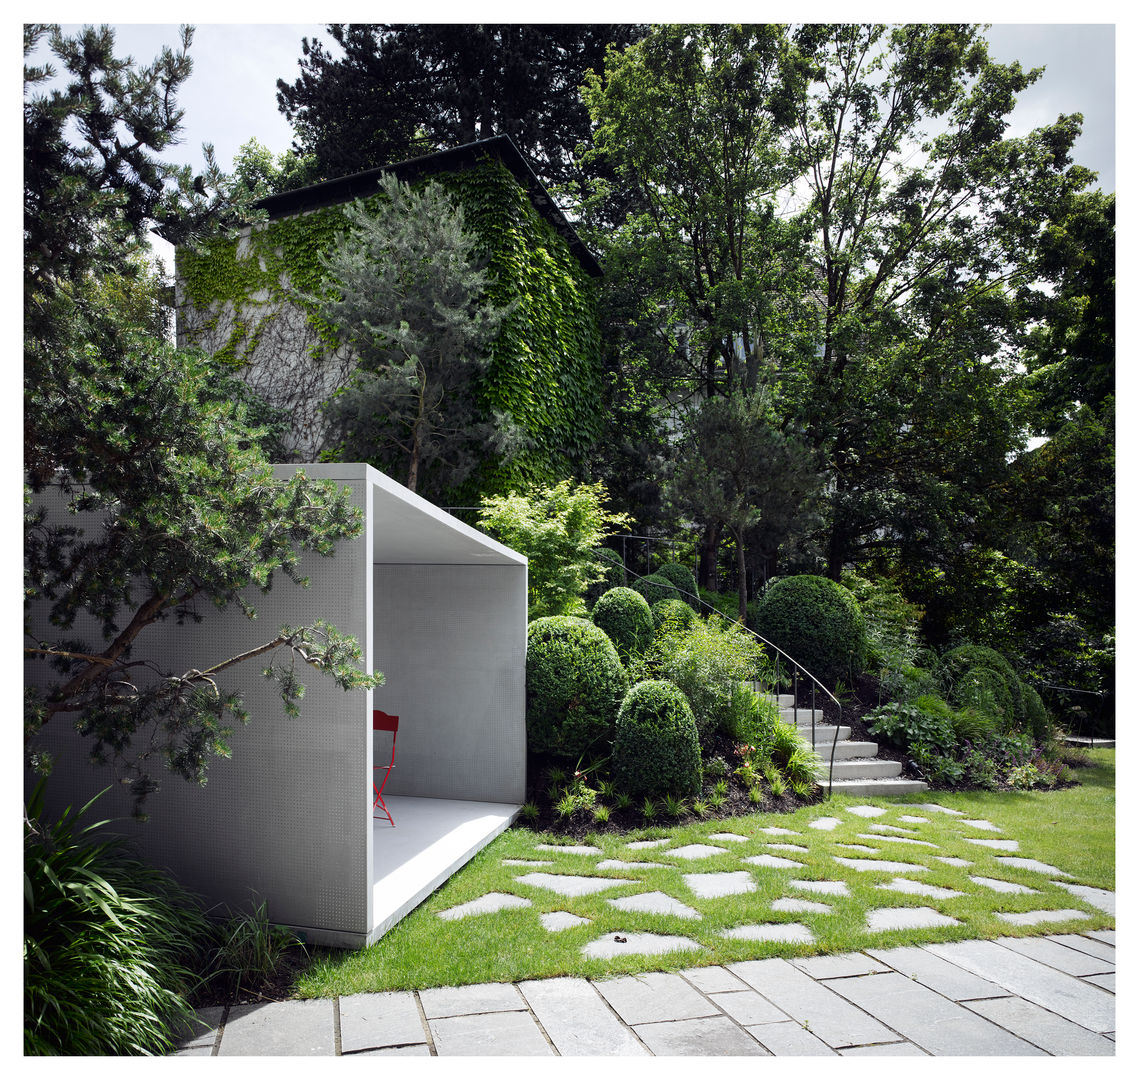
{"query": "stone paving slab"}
{"type": "Point", "coordinates": [997, 885]}
{"type": "Point", "coordinates": [749, 1007]}
{"type": "Point", "coordinates": [560, 920]}
{"type": "Point", "coordinates": [1099, 943]}
{"type": "Point", "coordinates": [713, 980]}
{"type": "Point", "coordinates": [1034, 918]}
{"type": "Point", "coordinates": [577, 1020]}
{"type": "Point", "coordinates": [888, 838]}
{"type": "Point", "coordinates": [948, 979]}
{"type": "Point", "coordinates": [724, 883]}
{"type": "Point", "coordinates": [980, 823]}
{"type": "Point", "coordinates": [696, 851]}
{"type": "Point", "coordinates": [881, 864]}
{"type": "Point", "coordinates": [996, 845]}
{"type": "Point", "coordinates": [796, 904]}
{"type": "Point", "coordinates": [422, 1050]}
{"type": "Point", "coordinates": [572, 884]}
{"type": "Point", "coordinates": [650, 944]}
{"type": "Point", "coordinates": [927, 1019]}
{"type": "Point", "coordinates": [935, 808]}
{"type": "Point", "coordinates": [866, 811]}
{"type": "Point", "coordinates": [776, 861]}
{"type": "Point", "coordinates": [858, 847]}
{"type": "Point", "coordinates": [654, 997]}
{"type": "Point", "coordinates": [1099, 898]}
{"type": "Point", "coordinates": [919, 888]}
{"type": "Point", "coordinates": [777, 830]}
{"type": "Point", "coordinates": [1089, 1006]}
{"type": "Point", "coordinates": [285, 1028]}
{"type": "Point", "coordinates": [202, 1031]}
{"type": "Point", "coordinates": [1042, 1028]}
{"type": "Point", "coordinates": [906, 918]}
{"type": "Point", "coordinates": [914, 819]}
{"type": "Point", "coordinates": [830, 1017]}
{"type": "Point", "coordinates": [713, 1036]}
{"type": "Point", "coordinates": [792, 932]}
{"type": "Point", "coordinates": [1106, 936]}
{"type": "Point", "coordinates": [839, 966]}
{"type": "Point", "coordinates": [477, 998]}
{"type": "Point", "coordinates": [1030, 864]}
{"type": "Point", "coordinates": [881, 827]}
{"type": "Point", "coordinates": [655, 903]}
{"type": "Point", "coordinates": [824, 888]}
{"type": "Point", "coordinates": [900, 1049]}
{"type": "Point", "coordinates": [641, 845]}
{"type": "Point", "coordinates": [1057, 955]}
{"type": "Point", "coordinates": [1107, 982]}
{"type": "Point", "coordinates": [950, 860]}
{"type": "Point", "coordinates": [374, 1021]}
{"type": "Point", "coordinates": [508, 1034]}
{"type": "Point", "coordinates": [728, 837]}
{"type": "Point", "coordinates": [789, 847]}
{"type": "Point", "coordinates": [788, 1039]}
{"type": "Point", "coordinates": [569, 849]}
{"type": "Point", "coordinates": [485, 905]}
{"type": "Point", "coordinates": [825, 823]}
{"type": "Point", "coordinates": [527, 862]}
{"type": "Point", "coordinates": [624, 864]}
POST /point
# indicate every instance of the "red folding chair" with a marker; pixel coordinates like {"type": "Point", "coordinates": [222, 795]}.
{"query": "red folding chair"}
{"type": "Point", "coordinates": [381, 721]}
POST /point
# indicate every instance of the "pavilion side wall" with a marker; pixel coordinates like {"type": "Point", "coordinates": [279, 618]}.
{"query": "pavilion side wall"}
{"type": "Point", "coordinates": [451, 642]}
{"type": "Point", "coordinates": [286, 818]}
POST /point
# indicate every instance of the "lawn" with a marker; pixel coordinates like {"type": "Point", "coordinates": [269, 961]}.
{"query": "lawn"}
{"type": "Point", "coordinates": [1072, 830]}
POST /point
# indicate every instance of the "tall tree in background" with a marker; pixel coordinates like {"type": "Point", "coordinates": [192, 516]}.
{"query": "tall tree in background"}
{"type": "Point", "coordinates": [399, 90]}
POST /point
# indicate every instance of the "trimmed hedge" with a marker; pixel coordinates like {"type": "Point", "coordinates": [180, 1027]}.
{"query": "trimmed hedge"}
{"type": "Point", "coordinates": [673, 611]}
{"type": "Point", "coordinates": [625, 616]}
{"type": "Point", "coordinates": [574, 685]}
{"type": "Point", "coordinates": [682, 578]}
{"type": "Point", "coordinates": [654, 588]}
{"type": "Point", "coordinates": [817, 623]}
{"type": "Point", "coordinates": [977, 675]}
{"type": "Point", "coordinates": [655, 748]}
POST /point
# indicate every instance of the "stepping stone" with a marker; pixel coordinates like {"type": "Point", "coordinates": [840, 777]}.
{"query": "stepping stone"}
{"type": "Point", "coordinates": [697, 851]}
{"type": "Point", "coordinates": [729, 837]}
{"type": "Point", "coordinates": [792, 932]}
{"type": "Point", "coordinates": [999, 845]}
{"type": "Point", "coordinates": [982, 824]}
{"type": "Point", "coordinates": [775, 830]}
{"type": "Point", "coordinates": [825, 823]}
{"type": "Point", "coordinates": [1031, 918]}
{"type": "Point", "coordinates": [877, 826]}
{"type": "Point", "coordinates": [527, 862]}
{"type": "Point", "coordinates": [914, 820]}
{"type": "Point", "coordinates": [772, 860]}
{"type": "Point", "coordinates": [655, 903]}
{"type": "Point", "coordinates": [1031, 864]}
{"type": "Point", "coordinates": [728, 883]}
{"type": "Point", "coordinates": [933, 808]}
{"type": "Point", "coordinates": [485, 905]}
{"type": "Point", "coordinates": [788, 847]}
{"type": "Point", "coordinates": [1098, 898]}
{"type": "Point", "coordinates": [621, 864]}
{"type": "Point", "coordinates": [640, 845]}
{"type": "Point", "coordinates": [794, 904]}
{"type": "Point", "coordinates": [919, 888]}
{"type": "Point", "coordinates": [866, 811]}
{"type": "Point", "coordinates": [572, 884]}
{"type": "Point", "coordinates": [881, 864]}
{"type": "Point", "coordinates": [560, 920]}
{"type": "Point", "coordinates": [826, 888]}
{"type": "Point", "coordinates": [650, 944]}
{"type": "Point", "coordinates": [857, 847]}
{"type": "Point", "coordinates": [1001, 886]}
{"type": "Point", "coordinates": [906, 918]}
{"type": "Point", "coordinates": [949, 860]}
{"type": "Point", "coordinates": [906, 840]}
{"type": "Point", "coordinates": [570, 849]}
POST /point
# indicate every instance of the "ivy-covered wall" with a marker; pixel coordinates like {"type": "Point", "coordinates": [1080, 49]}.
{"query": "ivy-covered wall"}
{"type": "Point", "coordinates": [238, 300]}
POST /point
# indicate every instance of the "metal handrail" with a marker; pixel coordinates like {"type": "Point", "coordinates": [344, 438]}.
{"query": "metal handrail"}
{"type": "Point", "coordinates": [796, 666]}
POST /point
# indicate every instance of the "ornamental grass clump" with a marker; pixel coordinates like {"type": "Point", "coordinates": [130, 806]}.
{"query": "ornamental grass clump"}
{"type": "Point", "coordinates": [656, 751]}
{"type": "Point", "coordinates": [625, 616]}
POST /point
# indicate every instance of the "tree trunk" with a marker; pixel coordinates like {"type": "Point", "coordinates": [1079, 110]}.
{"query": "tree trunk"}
{"type": "Point", "coordinates": [709, 548]}
{"type": "Point", "coordinates": [741, 572]}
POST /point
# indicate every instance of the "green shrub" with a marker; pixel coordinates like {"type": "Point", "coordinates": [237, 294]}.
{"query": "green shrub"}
{"type": "Point", "coordinates": [111, 944]}
{"type": "Point", "coordinates": [683, 579]}
{"type": "Point", "coordinates": [1036, 716]}
{"type": "Point", "coordinates": [817, 623]}
{"type": "Point", "coordinates": [891, 626]}
{"type": "Point", "coordinates": [972, 725]}
{"type": "Point", "coordinates": [574, 685]}
{"type": "Point", "coordinates": [941, 770]}
{"type": "Point", "coordinates": [980, 676]}
{"type": "Point", "coordinates": [751, 718]}
{"type": "Point", "coordinates": [910, 683]}
{"type": "Point", "coordinates": [655, 749]}
{"type": "Point", "coordinates": [906, 725]}
{"type": "Point", "coordinates": [248, 949]}
{"type": "Point", "coordinates": [654, 588]}
{"type": "Point", "coordinates": [625, 616]}
{"type": "Point", "coordinates": [677, 611]}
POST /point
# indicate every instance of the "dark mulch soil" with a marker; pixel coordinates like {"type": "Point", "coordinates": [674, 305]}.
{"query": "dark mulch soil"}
{"type": "Point", "coordinates": [280, 985]}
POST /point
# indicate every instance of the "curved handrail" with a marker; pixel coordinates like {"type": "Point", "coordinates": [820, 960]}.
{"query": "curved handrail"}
{"type": "Point", "coordinates": [815, 683]}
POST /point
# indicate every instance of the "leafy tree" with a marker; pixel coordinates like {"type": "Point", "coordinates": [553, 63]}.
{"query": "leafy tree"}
{"type": "Point", "coordinates": [559, 529]}
{"type": "Point", "coordinates": [151, 441]}
{"type": "Point", "coordinates": [404, 288]}
{"type": "Point", "coordinates": [261, 174]}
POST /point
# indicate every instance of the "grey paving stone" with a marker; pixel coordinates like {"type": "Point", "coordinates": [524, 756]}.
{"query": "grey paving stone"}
{"type": "Point", "coordinates": [919, 888]}
{"type": "Point", "coordinates": [887, 838]}
{"type": "Point", "coordinates": [981, 823]}
{"type": "Point", "coordinates": [1099, 898]}
{"type": "Point", "coordinates": [950, 860]}
{"type": "Point", "coordinates": [858, 847]}
{"type": "Point", "coordinates": [777, 830]}
{"type": "Point", "coordinates": [948, 979]}
{"type": "Point", "coordinates": [825, 823]}
{"type": "Point", "coordinates": [1058, 956]}
{"type": "Point", "coordinates": [899, 1049]}
{"type": "Point", "coordinates": [1034, 918]}
{"type": "Point", "coordinates": [649, 944]}
{"type": "Point", "coordinates": [927, 1019]}
{"type": "Point", "coordinates": [510, 1034]}
{"type": "Point", "coordinates": [824, 888]}
{"type": "Point", "coordinates": [728, 837]}
{"type": "Point", "coordinates": [655, 903]}
{"type": "Point", "coordinates": [914, 819]}
{"type": "Point", "coordinates": [1030, 864]}
{"type": "Point", "coordinates": [653, 997]}
{"type": "Point", "coordinates": [201, 1031]}
{"type": "Point", "coordinates": [419, 1050]}
{"type": "Point", "coordinates": [749, 1007]}
{"type": "Point", "coordinates": [1099, 943]}
{"type": "Point", "coordinates": [934, 808]}
{"type": "Point", "coordinates": [725, 883]}
{"type": "Point", "coordinates": [830, 1017]}
{"type": "Point", "coordinates": [1000, 886]}
{"type": "Point", "coordinates": [794, 933]}
{"type": "Point", "coordinates": [775, 861]}
{"type": "Point", "coordinates": [866, 811]}
{"type": "Point", "coordinates": [560, 920]}
{"type": "Point", "coordinates": [884, 865]}
{"type": "Point", "coordinates": [906, 918]}
{"type": "Point", "coordinates": [283, 1029]}
{"type": "Point", "coordinates": [788, 1039]}
{"type": "Point", "coordinates": [881, 827]}
{"type": "Point", "coordinates": [371, 1021]}
{"type": "Point", "coordinates": [788, 847]}
{"type": "Point", "coordinates": [569, 849]}
{"type": "Point", "coordinates": [485, 905]}
{"type": "Point", "coordinates": [696, 851]}
{"type": "Point", "coordinates": [476, 998]}
{"type": "Point", "coordinates": [794, 904]}
{"type": "Point", "coordinates": [527, 862]}
{"type": "Point", "coordinates": [1107, 982]}
{"type": "Point", "coordinates": [713, 980]}
{"type": "Point", "coordinates": [572, 884]}
{"type": "Point", "coordinates": [713, 1036]}
{"type": "Point", "coordinates": [1106, 936]}
{"type": "Point", "coordinates": [1089, 1006]}
{"type": "Point", "coordinates": [1042, 1028]}
{"type": "Point", "coordinates": [194, 1050]}
{"type": "Point", "coordinates": [641, 845]}
{"type": "Point", "coordinates": [624, 864]}
{"type": "Point", "coordinates": [996, 845]}
{"type": "Point", "coordinates": [839, 966]}
{"type": "Point", "coordinates": [577, 1020]}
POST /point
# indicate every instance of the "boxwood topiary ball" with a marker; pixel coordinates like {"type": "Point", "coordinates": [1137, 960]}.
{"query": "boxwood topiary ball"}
{"type": "Point", "coordinates": [654, 588]}
{"type": "Point", "coordinates": [817, 623]}
{"type": "Point", "coordinates": [625, 616]}
{"type": "Point", "coordinates": [574, 685]}
{"type": "Point", "coordinates": [673, 611]}
{"type": "Point", "coordinates": [655, 748]}
{"type": "Point", "coordinates": [683, 579]}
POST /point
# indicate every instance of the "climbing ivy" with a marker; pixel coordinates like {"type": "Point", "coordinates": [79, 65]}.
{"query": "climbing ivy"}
{"type": "Point", "coordinates": [545, 365]}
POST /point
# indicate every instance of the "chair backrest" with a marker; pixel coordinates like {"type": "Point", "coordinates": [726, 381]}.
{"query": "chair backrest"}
{"type": "Point", "coordinates": [382, 721]}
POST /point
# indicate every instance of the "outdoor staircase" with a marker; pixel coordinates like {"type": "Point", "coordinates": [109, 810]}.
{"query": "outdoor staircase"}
{"type": "Point", "coordinates": [857, 768]}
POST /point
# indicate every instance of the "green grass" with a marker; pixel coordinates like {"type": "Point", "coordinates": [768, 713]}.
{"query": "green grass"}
{"type": "Point", "coordinates": [1073, 830]}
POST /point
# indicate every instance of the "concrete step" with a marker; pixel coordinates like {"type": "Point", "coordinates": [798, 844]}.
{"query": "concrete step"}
{"type": "Point", "coordinates": [800, 716]}
{"type": "Point", "coordinates": [893, 785]}
{"type": "Point", "coordinates": [824, 734]}
{"type": "Point", "coordinates": [844, 751]}
{"type": "Point", "coordinates": [861, 769]}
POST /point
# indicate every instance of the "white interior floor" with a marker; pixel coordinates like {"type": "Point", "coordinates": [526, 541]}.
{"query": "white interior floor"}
{"type": "Point", "coordinates": [432, 838]}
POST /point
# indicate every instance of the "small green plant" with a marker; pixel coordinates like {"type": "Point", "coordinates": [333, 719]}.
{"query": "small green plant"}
{"type": "Point", "coordinates": [720, 787]}
{"type": "Point", "coordinates": [529, 812]}
{"type": "Point", "coordinates": [715, 768]}
{"type": "Point", "coordinates": [1023, 777]}
{"type": "Point", "coordinates": [556, 775]}
{"type": "Point", "coordinates": [776, 782]}
{"type": "Point", "coordinates": [716, 801]}
{"type": "Point", "coordinates": [755, 794]}
{"type": "Point", "coordinates": [675, 807]}
{"type": "Point", "coordinates": [554, 792]}
{"type": "Point", "coordinates": [803, 789]}
{"type": "Point", "coordinates": [624, 800]}
{"type": "Point", "coordinates": [648, 809]}
{"type": "Point", "coordinates": [601, 813]}
{"type": "Point", "coordinates": [606, 789]}
{"type": "Point", "coordinates": [905, 725]}
{"type": "Point", "coordinates": [249, 949]}
{"type": "Point", "coordinates": [700, 807]}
